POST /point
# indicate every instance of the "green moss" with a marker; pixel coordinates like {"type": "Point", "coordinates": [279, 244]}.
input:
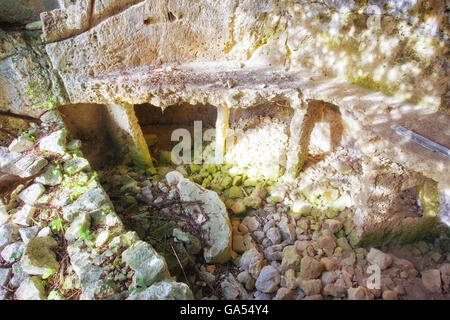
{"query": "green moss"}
{"type": "Point", "coordinates": [428, 194]}
{"type": "Point", "coordinates": [399, 235]}
{"type": "Point", "coordinates": [368, 82]}
{"type": "Point", "coordinates": [227, 182]}
{"type": "Point", "coordinates": [204, 173]}
{"type": "Point", "coordinates": [235, 192]}
{"type": "Point", "coordinates": [237, 180]}
{"type": "Point", "coordinates": [207, 182]}
{"type": "Point", "coordinates": [165, 157]}
{"type": "Point", "coordinates": [212, 169]}
{"type": "Point", "coordinates": [194, 168]}
{"type": "Point", "coordinates": [429, 198]}
{"type": "Point", "coordinates": [196, 178]}
{"type": "Point", "coordinates": [269, 33]}
{"type": "Point", "coordinates": [250, 183]}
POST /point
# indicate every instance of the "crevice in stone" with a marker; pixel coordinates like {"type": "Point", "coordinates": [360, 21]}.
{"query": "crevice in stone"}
{"type": "Point", "coordinates": [88, 123]}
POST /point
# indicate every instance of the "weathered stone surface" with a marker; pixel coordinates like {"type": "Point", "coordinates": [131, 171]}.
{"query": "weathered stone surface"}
{"type": "Point", "coordinates": [252, 261]}
{"type": "Point", "coordinates": [36, 25]}
{"type": "Point", "coordinates": [327, 244]}
{"type": "Point", "coordinates": [390, 295]}
{"type": "Point", "coordinates": [445, 274]}
{"type": "Point", "coordinates": [274, 235]}
{"type": "Point", "coordinates": [3, 294]}
{"type": "Point", "coordinates": [31, 289]}
{"type": "Point", "coordinates": [55, 142]}
{"type": "Point", "coordinates": [273, 252]}
{"type": "Point", "coordinates": [268, 280]}
{"type": "Point", "coordinates": [262, 296]}
{"type": "Point", "coordinates": [23, 11]}
{"type": "Point", "coordinates": [310, 268]}
{"type": "Point", "coordinates": [193, 245]}
{"type": "Point", "coordinates": [38, 164]}
{"type": "Point", "coordinates": [100, 289]}
{"type": "Point", "coordinates": [431, 280]}
{"type": "Point", "coordinates": [19, 275]}
{"type": "Point", "coordinates": [217, 228]}
{"type": "Point", "coordinates": [164, 290]}
{"type": "Point", "coordinates": [94, 199]}
{"type": "Point", "coordinates": [8, 160]}
{"type": "Point", "coordinates": [329, 264]}
{"type": "Point", "coordinates": [81, 223]}
{"type": "Point", "coordinates": [39, 257]}
{"type": "Point", "coordinates": [28, 233]}
{"type": "Point", "coordinates": [359, 293]}
{"type": "Point", "coordinates": [24, 215]}
{"type": "Point", "coordinates": [287, 231]}
{"type": "Point", "coordinates": [65, 22]}
{"type": "Point", "coordinates": [87, 272]}
{"type": "Point", "coordinates": [333, 225]}
{"type": "Point", "coordinates": [230, 290]}
{"type": "Point", "coordinates": [74, 145]}
{"type": "Point", "coordinates": [44, 232]}
{"type": "Point", "coordinates": [51, 177]}
{"type": "Point", "coordinates": [290, 259]}
{"type": "Point", "coordinates": [76, 165]}
{"type": "Point", "coordinates": [102, 238]}
{"type": "Point", "coordinates": [8, 233]}
{"type": "Point", "coordinates": [251, 223]}
{"type": "Point", "coordinates": [238, 207]}
{"type": "Point", "coordinates": [124, 240]}
{"type": "Point", "coordinates": [220, 39]}
{"type": "Point", "coordinates": [148, 265]}
{"type": "Point", "coordinates": [311, 287]}
{"type": "Point", "coordinates": [28, 80]}
{"type": "Point", "coordinates": [284, 294]}
{"type": "Point", "coordinates": [5, 275]}
{"type": "Point", "coordinates": [379, 258]}
{"type": "Point", "coordinates": [31, 194]}
{"type": "Point", "coordinates": [245, 278]}
{"type": "Point", "coordinates": [13, 252]}
{"type": "Point", "coordinates": [20, 144]}
{"type": "Point", "coordinates": [4, 216]}
{"type": "Point", "coordinates": [242, 243]}
{"type": "Point", "coordinates": [24, 162]}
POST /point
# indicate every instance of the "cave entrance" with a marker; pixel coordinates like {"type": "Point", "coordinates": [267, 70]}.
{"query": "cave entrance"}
{"type": "Point", "coordinates": [257, 138]}
{"type": "Point", "coordinates": [159, 124]}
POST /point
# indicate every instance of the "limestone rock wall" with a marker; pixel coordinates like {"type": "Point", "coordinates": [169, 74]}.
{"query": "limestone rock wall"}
{"type": "Point", "coordinates": [396, 47]}
{"type": "Point", "coordinates": [28, 84]}
{"type": "Point", "coordinates": [24, 11]}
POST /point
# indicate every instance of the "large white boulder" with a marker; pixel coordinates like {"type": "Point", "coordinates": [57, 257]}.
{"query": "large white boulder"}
{"type": "Point", "coordinates": [216, 225]}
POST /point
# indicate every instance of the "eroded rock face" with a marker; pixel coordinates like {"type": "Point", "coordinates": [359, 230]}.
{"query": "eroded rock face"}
{"type": "Point", "coordinates": [24, 11]}
{"type": "Point", "coordinates": [26, 73]}
{"type": "Point", "coordinates": [272, 33]}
